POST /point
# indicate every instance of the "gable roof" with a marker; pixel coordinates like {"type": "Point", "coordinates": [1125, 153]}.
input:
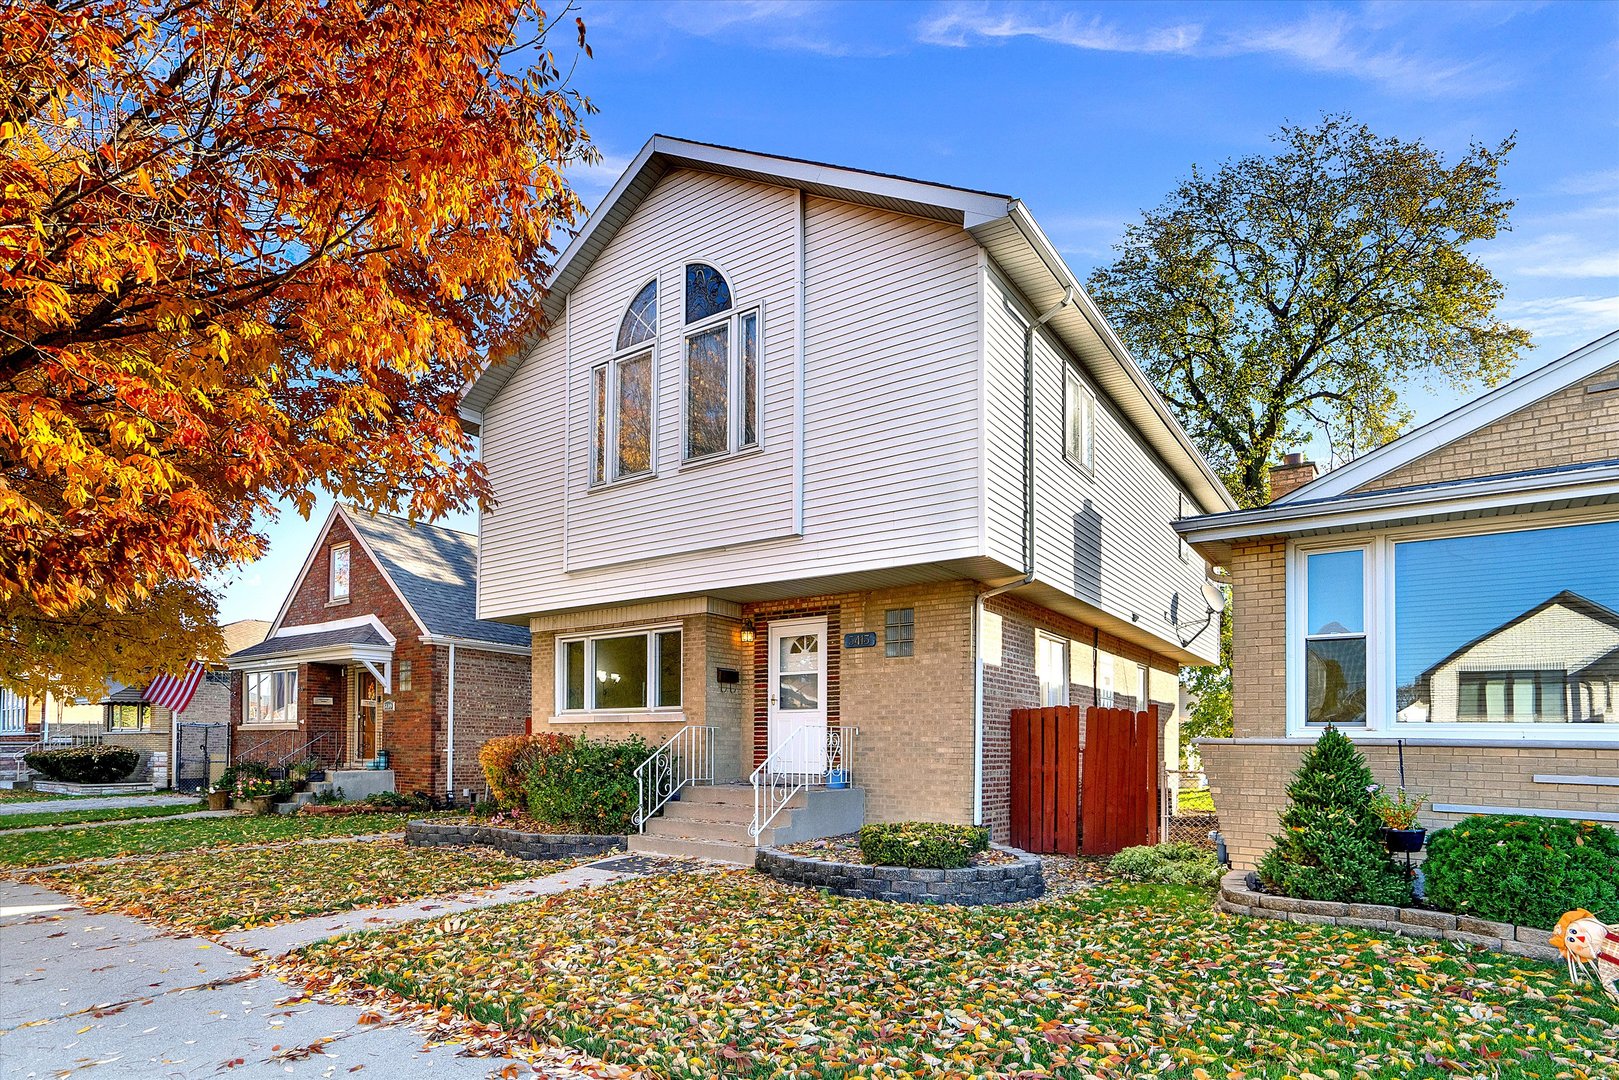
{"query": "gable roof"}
{"type": "Point", "coordinates": [1001, 223]}
{"type": "Point", "coordinates": [1569, 599]}
{"type": "Point", "coordinates": [1461, 421]}
{"type": "Point", "coordinates": [433, 570]}
{"type": "Point", "coordinates": [285, 641]}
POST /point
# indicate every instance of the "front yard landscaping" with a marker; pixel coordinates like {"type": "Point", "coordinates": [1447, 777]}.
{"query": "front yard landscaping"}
{"type": "Point", "coordinates": [84, 817]}
{"type": "Point", "coordinates": [214, 891]}
{"type": "Point", "coordinates": [733, 975]}
{"type": "Point", "coordinates": [21, 849]}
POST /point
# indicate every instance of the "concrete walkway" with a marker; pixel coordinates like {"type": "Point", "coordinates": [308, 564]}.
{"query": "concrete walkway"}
{"type": "Point", "coordinates": [114, 997]}
{"type": "Point", "coordinates": [94, 802]}
{"type": "Point", "coordinates": [120, 821]}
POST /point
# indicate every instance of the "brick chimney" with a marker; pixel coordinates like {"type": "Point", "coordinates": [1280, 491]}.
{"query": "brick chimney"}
{"type": "Point", "coordinates": [1293, 473]}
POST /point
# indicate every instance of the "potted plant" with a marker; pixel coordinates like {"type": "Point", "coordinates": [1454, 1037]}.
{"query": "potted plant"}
{"type": "Point", "coordinates": [1399, 815]}
{"type": "Point", "coordinates": [837, 779]}
{"type": "Point", "coordinates": [218, 798]}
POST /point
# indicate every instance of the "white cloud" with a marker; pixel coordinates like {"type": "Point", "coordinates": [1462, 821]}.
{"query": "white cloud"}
{"type": "Point", "coordinates": [594, 181]}
{"type": "Point", "coordinates": [1580, 318]}
{"type": "Point", "coordinates": [1332, 41]}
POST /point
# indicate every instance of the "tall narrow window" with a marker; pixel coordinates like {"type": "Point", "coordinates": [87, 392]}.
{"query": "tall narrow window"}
{"type": "Point", "coordinates": [1051, 668]}
{"type": "Point", "coordinates": [1335, 638]}
{"type": "Point", "coordinates": [621, 395]}
{"type": "Point", "coordinates": [722, 368]}
{"type": "Point", "coordinates": [1079, 419]}
{"type": "Point", "coordinates": [339, 580]}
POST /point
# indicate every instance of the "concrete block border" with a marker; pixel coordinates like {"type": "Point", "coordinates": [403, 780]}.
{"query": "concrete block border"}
{"type": "Point", "coordinates": [1000, 884]}
{"type": "Point", "coordinates": [522, 845]}
{"type": "Point", "coordinates": [1529, 942]}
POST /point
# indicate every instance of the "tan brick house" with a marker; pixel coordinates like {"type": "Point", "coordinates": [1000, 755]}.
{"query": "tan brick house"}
{"type": "Point", "coordinates": [840, 468]}
{"type": "Point", "coordinates": [1453, 594]}
{"type": "Point", "coordinates": [377, 649]}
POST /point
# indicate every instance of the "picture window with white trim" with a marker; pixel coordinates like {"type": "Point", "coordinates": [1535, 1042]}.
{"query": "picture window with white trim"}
{"type": "Point", "coordinates": [620, 670]}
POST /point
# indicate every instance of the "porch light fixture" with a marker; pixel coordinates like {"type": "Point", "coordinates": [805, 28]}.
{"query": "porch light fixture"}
{"type": "Point", "coordinates": [747, 631]}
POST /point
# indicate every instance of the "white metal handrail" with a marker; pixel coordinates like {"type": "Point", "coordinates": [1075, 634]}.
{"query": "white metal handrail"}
{"type": "Point", "coordinates": [776, 781]}
{"type": "Point", "coordinates": [687, 758]}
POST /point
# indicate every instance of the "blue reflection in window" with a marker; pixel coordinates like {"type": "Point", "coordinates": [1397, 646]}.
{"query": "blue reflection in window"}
{"type": "Point", "coordinates": [706, 292]}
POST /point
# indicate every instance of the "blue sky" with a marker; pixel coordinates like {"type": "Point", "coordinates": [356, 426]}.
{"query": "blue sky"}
{"type": "Point", "coordinates": [1091, 113]}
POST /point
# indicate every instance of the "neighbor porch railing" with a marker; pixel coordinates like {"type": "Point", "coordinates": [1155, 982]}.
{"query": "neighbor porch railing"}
{"type": "Point", "coordinates": [789, 769]}
{"type": "Point", "coordinates": [687, 758]}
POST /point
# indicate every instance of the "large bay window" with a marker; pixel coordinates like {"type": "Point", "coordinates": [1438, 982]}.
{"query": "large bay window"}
{"type": "Point", "coordinates": [270, 697]}
{"type": "Point", "coordinates": [1477, 633]}
{"type": "Point", "coordinates": [619, 670]}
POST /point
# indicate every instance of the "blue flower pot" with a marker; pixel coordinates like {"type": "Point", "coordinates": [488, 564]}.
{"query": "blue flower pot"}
{"type": "Point", "coordinates": [837, 779]}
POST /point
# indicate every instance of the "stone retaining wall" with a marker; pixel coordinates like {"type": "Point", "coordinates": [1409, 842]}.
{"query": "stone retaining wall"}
{"type": "Point", "coordinates": [1526, 941]}
{"type": "Point", "coordinates": [1000, 884]}
{"type": "Point", "coordinates": [521, 845]}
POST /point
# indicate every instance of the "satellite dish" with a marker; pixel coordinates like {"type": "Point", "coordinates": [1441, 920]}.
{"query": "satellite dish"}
{"type": "Point", "coordinates": [1214, 596]}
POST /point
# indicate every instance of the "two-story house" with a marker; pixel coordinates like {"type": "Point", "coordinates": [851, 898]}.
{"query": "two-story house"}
{"type": "Point", "coordinates": [841, 468]}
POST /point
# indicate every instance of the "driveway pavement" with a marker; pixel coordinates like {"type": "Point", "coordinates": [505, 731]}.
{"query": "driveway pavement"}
{"type": "Point", "coordinates": [106, 996]}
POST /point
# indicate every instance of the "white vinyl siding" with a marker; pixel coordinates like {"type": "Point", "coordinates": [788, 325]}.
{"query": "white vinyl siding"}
{"type": "Point", "coordinates": [891, 474]}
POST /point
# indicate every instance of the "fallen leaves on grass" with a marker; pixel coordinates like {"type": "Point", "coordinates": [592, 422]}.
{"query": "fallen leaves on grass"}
{"type": "Point", "coordinates": [244, 888]}
{"type": "Point", "coordinates": [733, 975]}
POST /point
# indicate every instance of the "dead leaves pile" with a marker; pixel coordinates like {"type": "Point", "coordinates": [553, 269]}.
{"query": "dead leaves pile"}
{"type": "Point", "coordinates": [239, 889]}
{"type": "Point", "coordinates": [732, 975]}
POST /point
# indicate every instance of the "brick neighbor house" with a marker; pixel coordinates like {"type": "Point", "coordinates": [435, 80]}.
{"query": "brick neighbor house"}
{"type": "Point", "coordinates": [830, 468]}
{"type": "Point", "coordinates": [377, 648]}
{"type": "Point", "coordinates": [1455, 591]}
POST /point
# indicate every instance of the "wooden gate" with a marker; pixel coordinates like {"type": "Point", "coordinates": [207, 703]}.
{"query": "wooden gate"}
{"type": "Point", "coordinates": [1119, 808]}
{"type": "Point", "coordinates": [1046, 750]}
{"type": "Point", "coordinates": [1120, 780]}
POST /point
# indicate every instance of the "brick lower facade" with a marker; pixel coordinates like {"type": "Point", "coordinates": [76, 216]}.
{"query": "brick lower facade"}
{"type": "Point", "coordinates": [913, 753]}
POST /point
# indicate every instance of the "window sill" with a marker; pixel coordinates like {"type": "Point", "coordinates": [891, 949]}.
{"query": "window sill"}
{"type": "Point", "coordinates": [1087, 471]}
{"type": "Point", "coordinates": [708, 460]}
{"type": "Point", "coordinates": [270, 727]}
{"type": "Point", "coordinates": [340, 603]}
{"type": "Point", "coordinates": [621, 482]}
{"type": "Point", "coordinates": [660, 717]}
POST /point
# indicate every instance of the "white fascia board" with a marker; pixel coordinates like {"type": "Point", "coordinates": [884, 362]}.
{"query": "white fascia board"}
{"type": "Point", "coordinates": [1493, 494]}
{"type": "Point", "coordinates": [475, 644]}
{"type": "Point", "coordinates": [317, 654]}
{"type": "Point", "coordinates": [1463, 420]}
{"type": "Point", "coordinates": [335, 624]}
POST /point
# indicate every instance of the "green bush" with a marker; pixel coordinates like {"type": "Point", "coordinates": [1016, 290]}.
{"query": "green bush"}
{"type": "Point", "coordinates": [1169, 864]}
{"type": "Point", "coordinates": [586, 786]}
{"type": "Point", "coordinates": [929, 845]}
{"type": "Point", "coordinates": [242, 770]}
{"type": "Point", "coordinates": [1330, 846]}
{"type": "Point", "coordinates": [394, 800]}
{"type": "Point", "coordinates": [96, 764]}
{"type": "Point", "coordinates": [1524, 870]}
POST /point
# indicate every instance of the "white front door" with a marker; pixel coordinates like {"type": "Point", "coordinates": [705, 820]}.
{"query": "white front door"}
{"type": "Point", "coordinates": [798, 695]}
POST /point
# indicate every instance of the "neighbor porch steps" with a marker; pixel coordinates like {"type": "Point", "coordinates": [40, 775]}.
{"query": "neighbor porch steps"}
{"type": "Point", "coordinates": [710, 821]}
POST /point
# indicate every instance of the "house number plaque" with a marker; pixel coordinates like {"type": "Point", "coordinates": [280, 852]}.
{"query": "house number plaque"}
{"type": "Point", "coordinates": [866, 639]}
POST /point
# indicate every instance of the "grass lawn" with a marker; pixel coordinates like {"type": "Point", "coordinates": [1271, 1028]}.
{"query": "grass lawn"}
{"type": "Point", "coordinates": [243, 888]}
{"type": "Point", "coordinates": [733, 975]}
{"type": "Point", "coordinates": [80, 817]}
{"type": "Point", "coordinates": [1196, 801]}
{"type": "Point", "coordinates": [163, 837]}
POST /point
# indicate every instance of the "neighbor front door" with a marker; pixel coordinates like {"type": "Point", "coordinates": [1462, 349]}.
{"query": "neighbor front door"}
{"type": "Point", "coordinates": [798, 695]}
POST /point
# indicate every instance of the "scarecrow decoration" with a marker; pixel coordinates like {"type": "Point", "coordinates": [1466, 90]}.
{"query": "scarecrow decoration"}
{"type": "Point", "coordinates": [1584, 943]}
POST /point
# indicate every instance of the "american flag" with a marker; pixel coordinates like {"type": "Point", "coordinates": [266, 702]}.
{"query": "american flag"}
{"type": "Point", "coordinates": [175, 694]}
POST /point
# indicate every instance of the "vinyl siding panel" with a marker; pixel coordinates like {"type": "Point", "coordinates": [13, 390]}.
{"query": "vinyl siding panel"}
{"type": "Point", "coordinates": [891, 404]}
{"type": "Point", "coordinates": [1103, 537]}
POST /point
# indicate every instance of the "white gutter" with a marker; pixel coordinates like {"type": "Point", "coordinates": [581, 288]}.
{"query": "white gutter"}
{"type": "Point", "coordinates": [449, 741]}
{"type": "Point", "coordinates": [1028, 552]}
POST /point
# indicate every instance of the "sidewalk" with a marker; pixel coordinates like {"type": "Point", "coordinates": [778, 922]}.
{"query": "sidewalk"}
{"type": "Point", "coordinates": [109, 802]}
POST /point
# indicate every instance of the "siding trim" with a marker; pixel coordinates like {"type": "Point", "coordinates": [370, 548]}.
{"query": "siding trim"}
{"type": "Point", "coordinates": [1582, 781]}
{"type": "Point", "coordinates": [1525, 811]}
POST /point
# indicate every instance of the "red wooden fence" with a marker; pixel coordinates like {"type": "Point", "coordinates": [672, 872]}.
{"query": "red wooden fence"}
{"type": "Point", "coordinates": [1120, 781]}
{"type": "Point", "coordinates": [1045, 779]}
{"type": "Point", "coordinates": [1119, 807]}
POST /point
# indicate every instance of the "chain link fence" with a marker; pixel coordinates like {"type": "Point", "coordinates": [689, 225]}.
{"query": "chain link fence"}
{"type": "Point", "coordinates": [1188, 809]}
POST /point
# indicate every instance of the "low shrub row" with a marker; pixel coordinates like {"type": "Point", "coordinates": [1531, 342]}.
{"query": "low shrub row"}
{"type": "Point", "coordinates": [1167, 864]}
{"type": "Point", "coordinates": [927, 845]}
{"type": "Point", "coordinates": [96, 764]}
{"type": "Point", "coordinates": [583, 785]}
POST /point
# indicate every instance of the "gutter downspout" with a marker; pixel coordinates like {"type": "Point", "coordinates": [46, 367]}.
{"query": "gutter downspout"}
{"type": "Point", "coordinates": [1028, 552]}
{"type": "Point", "coordinates": [449, 740]}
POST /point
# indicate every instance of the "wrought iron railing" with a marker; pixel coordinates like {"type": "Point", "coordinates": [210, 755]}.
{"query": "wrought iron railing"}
{"type": "Point", "coordinates": [687, 758]}
{"type": "Point", "coordinates": [314, 748]}
{"type": "Point", "coordinates": [793, 766]}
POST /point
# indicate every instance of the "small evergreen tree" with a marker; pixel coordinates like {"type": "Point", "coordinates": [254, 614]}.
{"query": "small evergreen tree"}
{"type": "Point", "coordinates": [1329, 847]}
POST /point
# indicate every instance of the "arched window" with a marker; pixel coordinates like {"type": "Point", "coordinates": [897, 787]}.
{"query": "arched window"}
{"type": "Point", "coordinates": [621, 395]}
{"type": "Point", "coordinates": [722, 368]}
{"type": "Point", "coordinates": [706, 292]}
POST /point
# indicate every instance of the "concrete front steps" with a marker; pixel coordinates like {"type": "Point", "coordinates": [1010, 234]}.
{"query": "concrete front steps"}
{"type": "Point", "coordinates": [711, 822]}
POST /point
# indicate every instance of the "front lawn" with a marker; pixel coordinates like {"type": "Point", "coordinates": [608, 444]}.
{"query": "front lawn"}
{"type": "Point", "coordinates": [244, 888]}
{"type": "Point", "coordinates": [733, 975]}
{"type": "Point", "coordinates": [163, 837]}
{"type": "Point", "coordinates": [84, 817]}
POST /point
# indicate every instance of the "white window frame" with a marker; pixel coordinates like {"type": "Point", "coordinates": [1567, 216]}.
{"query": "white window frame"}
{"type": "Point", "coordinates": [332, 595]}
{"type": "Point", "coordinates": [651, 634]}
{"type": "Point", "coordinates": [734, 400]}
{"type": "Point", "coordinates": [283, 718]}
{"type": "Point", "coordinates": [1041, 641]}
{"type": "Point", "coordinates": [1381, 722]}
{"type": "Point", "coordinates": [1078, 401]}
{"type": "Point", "coordinates": [609, 427]}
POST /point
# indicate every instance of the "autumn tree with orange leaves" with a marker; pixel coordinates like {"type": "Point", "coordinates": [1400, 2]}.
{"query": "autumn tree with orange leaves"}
{"type": "Point", "coordinates": [249, 249]}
